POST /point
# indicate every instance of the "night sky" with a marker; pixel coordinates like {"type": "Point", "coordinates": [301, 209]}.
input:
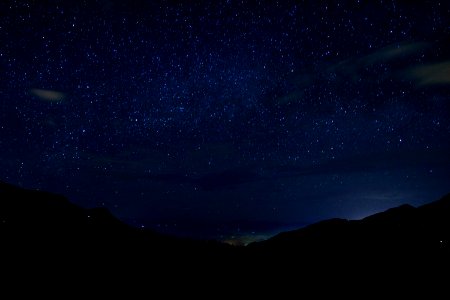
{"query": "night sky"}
{"type": "Point", "coordinates": [227, 119]}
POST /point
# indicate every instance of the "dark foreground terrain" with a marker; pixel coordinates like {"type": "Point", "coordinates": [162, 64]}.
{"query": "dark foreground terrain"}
{"type": "Point", "coordinates": [47, 239]}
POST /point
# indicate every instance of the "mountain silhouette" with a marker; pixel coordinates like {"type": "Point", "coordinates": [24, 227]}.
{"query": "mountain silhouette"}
{"type": "Point", "coordinates": [41, 232]}
{"type": "Point", "coordinates": [405, 242]}
{"type": "Point", "coordinates": [398, 229]}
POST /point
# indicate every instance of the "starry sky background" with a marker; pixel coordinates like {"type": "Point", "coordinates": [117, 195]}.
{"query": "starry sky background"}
{"type": "Point", "coordinates": [227, 119]}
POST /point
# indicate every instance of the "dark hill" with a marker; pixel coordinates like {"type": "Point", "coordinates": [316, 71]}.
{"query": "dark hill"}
{"type": "Point", "coordinates": [403, 228]}
{"type": "Point", "coordinates": [42, 233]}
{"type": "Point", "coordinates": [401, 238]}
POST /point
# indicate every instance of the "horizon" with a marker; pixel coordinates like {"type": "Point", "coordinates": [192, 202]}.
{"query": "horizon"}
{"type": "Point", "coordinates": [235, 233]}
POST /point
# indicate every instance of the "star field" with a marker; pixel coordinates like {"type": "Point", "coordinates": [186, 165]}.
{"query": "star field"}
{"type": "Point", "coordinates": [192, 118]}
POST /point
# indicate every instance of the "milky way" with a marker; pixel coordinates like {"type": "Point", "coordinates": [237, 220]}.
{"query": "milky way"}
{"type": "Point", "coordinates": [222, 118]}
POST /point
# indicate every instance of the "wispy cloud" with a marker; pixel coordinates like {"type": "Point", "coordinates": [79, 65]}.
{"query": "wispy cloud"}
{"type": "Point", "coordinates": [350, 69]}
{"type": "Point", "coordinates": [430, 74]}
{"type": "Point", "coordinates": [352, 66]}
{"type": "Point", "coordinates": [48, 95]}
{"type": "Point", "coordinates": [392, 51]}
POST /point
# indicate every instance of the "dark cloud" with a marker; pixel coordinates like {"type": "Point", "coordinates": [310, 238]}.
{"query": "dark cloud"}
{"type": "Point", "coordinates": [212, 181]}
{"type": "Point", "coordinates": [240, 176]}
